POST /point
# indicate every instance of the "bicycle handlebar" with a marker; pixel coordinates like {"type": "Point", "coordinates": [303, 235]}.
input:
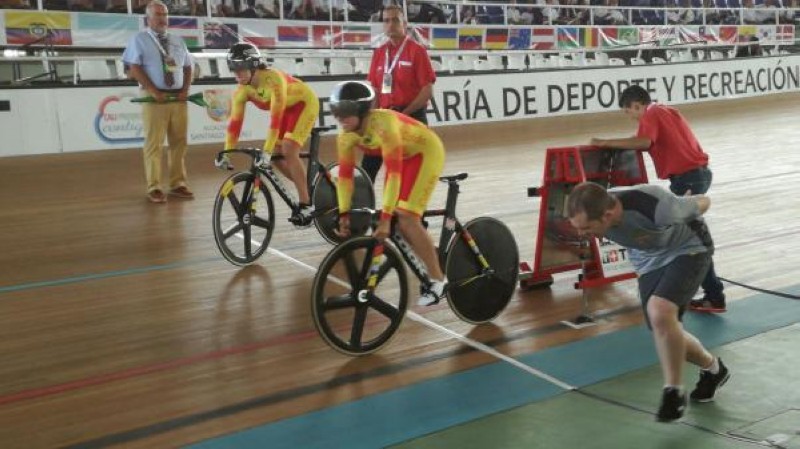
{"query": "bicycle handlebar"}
{"type": "Point", "coordinates": [252, 152]}
{"type": "Point", "coordinates": [319, 129]}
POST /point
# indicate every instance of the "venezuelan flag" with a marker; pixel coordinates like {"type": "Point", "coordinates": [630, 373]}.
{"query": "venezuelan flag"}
{"type": "Point", "coordinates": [25, 27]}
{"type": "Point", "coordinates": [470, 38]}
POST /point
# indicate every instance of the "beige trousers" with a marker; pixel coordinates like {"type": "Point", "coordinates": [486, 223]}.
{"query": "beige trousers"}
{"type": "Point", "coordinates": [168, 120]}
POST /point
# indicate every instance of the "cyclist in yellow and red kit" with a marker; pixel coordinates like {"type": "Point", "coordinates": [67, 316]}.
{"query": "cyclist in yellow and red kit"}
{"type": "Point", "coordinates": [293, 108]}
{"type": "Point", "coordinates": [414, 158]}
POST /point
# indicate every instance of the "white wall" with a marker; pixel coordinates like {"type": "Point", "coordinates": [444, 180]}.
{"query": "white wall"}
{"type": "Point", "coordinates": [79, 119]}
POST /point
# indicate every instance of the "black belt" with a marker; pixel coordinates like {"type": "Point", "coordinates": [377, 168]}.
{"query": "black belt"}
{"type": "Point", "coordinates": [704, 167]}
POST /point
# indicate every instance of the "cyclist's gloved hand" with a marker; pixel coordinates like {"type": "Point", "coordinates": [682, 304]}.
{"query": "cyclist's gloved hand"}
{"type": "Point", "coordinates": [223, 162]}
{"type": "Point", "coordinates": [344, 227]}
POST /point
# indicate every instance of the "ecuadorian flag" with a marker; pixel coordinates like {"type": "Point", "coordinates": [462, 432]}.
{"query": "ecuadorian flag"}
{"type": "Point", "coordinates": [445, 38]}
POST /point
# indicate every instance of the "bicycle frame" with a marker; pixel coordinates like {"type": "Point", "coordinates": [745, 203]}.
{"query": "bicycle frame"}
{"type": "Point", "coordinates": [451, 227]}
{"type": "Point", "coordinates": [314, 168]}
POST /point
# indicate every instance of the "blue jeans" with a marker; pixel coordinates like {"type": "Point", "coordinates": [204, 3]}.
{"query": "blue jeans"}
{"type": "Point", "coordinates": [698, 181]}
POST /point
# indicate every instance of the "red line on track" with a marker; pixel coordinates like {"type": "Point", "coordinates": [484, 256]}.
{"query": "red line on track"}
{"type": "Point", "coordinates": [149, 369]}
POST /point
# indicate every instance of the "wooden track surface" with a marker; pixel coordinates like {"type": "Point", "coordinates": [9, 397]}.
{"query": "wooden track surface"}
{"type": "Point", "coordinates": [146, 323]}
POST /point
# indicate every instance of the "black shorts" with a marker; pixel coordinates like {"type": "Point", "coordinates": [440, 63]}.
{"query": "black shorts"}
{"type": "Point", "coordinates": [676, 282]}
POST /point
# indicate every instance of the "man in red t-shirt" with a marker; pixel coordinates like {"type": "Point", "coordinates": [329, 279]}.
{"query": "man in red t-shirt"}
{"type": "Point", "coordinates": [677, 156]}
{"type": "Point", "coordinates": [401, 75]}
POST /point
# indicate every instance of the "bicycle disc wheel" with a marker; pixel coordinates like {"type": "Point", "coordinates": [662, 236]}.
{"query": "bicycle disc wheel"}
{"type": "Point", "coordinates": [242, 231]}
{"type": "Point", "coordinates": [347, 316]}
{"type": "Point", "coordinates": [324, 199]}
{"type": "Point", "coordinates": [474, 296]}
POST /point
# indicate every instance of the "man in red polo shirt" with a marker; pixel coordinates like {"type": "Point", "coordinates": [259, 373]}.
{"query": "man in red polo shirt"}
{"type": "Point", "coordinates": [677, 156]}
{"type": "Point", "coordinates": [401, 75]}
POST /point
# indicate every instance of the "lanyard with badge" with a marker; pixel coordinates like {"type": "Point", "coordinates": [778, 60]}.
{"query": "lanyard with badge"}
{"type": "Point", "coordinates": [169, 64]}
{"type": "Point", "coordinates": [386, 86]}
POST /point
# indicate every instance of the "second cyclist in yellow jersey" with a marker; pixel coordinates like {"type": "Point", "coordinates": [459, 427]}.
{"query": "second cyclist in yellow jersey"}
{"type": "Point", "coordinates": [414, 158]}
{"type": "Point", "coordinates": [293, 108]}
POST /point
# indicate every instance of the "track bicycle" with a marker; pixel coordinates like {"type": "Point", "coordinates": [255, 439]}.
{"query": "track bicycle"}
{"type": "Point", "coordinates": [244, 214]}
{"type": "Point", "coordinates": [360, 293]}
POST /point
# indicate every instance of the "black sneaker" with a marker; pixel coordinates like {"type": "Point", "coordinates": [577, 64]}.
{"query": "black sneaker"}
{"type": "Point", "coordinates": [708, 304]}
{"type": "Point", "coordinates": [673, 403]}
{"type": "Point", "coordinates": [709, 383]}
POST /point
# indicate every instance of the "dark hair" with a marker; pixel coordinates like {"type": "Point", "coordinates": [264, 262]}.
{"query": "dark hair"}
{"type": "Point", "coordinates": [590, 198]}
{"type": "Point", "coordinates": [632, 94]}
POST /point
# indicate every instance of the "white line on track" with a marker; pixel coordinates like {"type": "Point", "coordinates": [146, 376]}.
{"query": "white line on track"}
{"type": "Point", "coordinates": [466, 340]}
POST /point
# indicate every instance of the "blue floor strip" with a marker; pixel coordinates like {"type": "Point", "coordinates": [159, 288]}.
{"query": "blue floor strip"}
{"type": "Point", "coordinates": [106, 275]}
{"type": "Point", "coordinates": [416, 410]}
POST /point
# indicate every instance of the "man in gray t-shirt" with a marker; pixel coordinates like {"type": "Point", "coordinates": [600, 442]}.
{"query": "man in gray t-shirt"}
{"type": "Point", "coordinates": [670, 248]}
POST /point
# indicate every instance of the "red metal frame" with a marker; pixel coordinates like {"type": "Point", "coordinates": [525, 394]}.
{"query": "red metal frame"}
{"type": "Point", "coordinates": [567, 167]}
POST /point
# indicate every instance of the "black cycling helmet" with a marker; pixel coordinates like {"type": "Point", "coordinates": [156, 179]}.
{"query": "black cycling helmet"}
{"type": "Point", "coordinates": [351, 98]}
{"type": "Point", "coordinates": [243, 56]}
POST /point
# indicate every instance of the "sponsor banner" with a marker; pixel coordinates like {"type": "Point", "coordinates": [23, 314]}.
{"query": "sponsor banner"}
{"type": "Point", "coordinates": [613, 258]}
{"type": "Point", "coordinates": [104, 117]}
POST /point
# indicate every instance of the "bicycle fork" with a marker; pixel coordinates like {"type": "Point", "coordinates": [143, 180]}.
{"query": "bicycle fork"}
{"type": "Point", "coordinates": [372, 276]}
{"type": "Point", "coordinates": [486, 269]}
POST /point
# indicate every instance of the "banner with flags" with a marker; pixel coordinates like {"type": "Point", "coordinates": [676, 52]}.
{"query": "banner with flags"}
{"type": "Point", "coordinates": [293, 36]}
{"type": "Point", "coordinates": [496, 38]}
{"type": "Point", "coordinates": [53, 28]}
{"type": "Point", "coordinates": [784, 34]}
{"type": "Point", "coordinates": [356, 36]}
{"type": "Point", "coordinates": [470, 38]}
{"type": "Point", "coordinates": [519, 38]}
{"type": "Point", "coordinates": [568, 38]}
{"type": "Point", "coordinates": [543, 38]}
{"type": "Point", "coordinates": [186, 28]}
{"type": "Point", "coordinates": [588, 37]}
{"type": "Point", "coordinates": [617, 36]}
{"type": "Point", "coordinates": [422, 35]}
{"type": "Point", "coordinates": [444, 38]}
{"type": "Point", "coordinates": [220, 35]}
{"type": "Point", "coordinates": [326, 36]}
{"type": "Point", "coordinates": [728, 34]}
{"type": "Point", "coordinates": [114, 30]}
{"type": "Point", "coordinates": [260, 33]}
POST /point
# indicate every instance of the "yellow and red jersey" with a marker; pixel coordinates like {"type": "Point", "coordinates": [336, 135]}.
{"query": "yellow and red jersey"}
{"type": "Point", "coordinates": [412, 153]}
{"type": "Point", "coordinates": [293, 107]}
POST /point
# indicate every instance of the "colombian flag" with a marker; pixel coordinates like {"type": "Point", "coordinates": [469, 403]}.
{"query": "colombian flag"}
{"type": "Point", "coordinates": [25, 27]}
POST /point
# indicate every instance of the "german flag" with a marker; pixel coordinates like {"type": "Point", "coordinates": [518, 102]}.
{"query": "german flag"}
{"type": "Point", "coordinates": [496, 38]}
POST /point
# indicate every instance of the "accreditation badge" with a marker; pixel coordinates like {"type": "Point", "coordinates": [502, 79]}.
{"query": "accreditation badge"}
{"type": "Point", "coordinates": [169, 64]}
{"type": "Point", "coordinates": [386, 86]}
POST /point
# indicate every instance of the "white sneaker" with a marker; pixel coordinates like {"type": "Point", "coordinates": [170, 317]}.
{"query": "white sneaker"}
{"type": "Point", "coordinates": [435, 293]}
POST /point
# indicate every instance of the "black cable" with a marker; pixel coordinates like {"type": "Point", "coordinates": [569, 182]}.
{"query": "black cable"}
{"type": "Point", "coordinates": [762, 290]}
{"type": "Point", "coordinates": [694, 426]}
